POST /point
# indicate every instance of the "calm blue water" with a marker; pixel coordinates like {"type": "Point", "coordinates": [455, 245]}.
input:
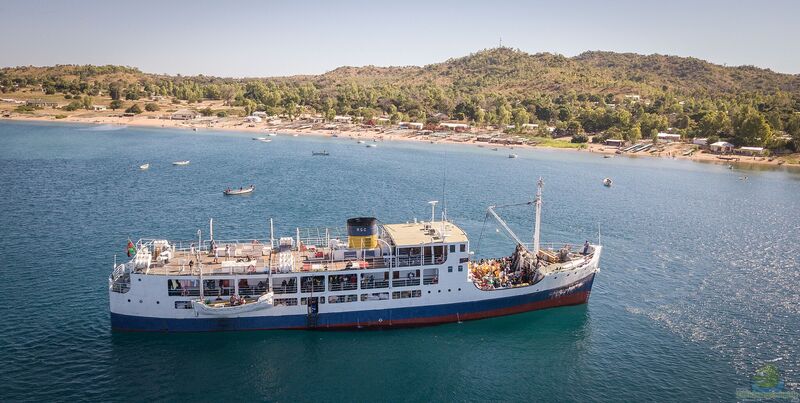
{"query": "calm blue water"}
{"type": "Point", "coordinates": [698, 284]}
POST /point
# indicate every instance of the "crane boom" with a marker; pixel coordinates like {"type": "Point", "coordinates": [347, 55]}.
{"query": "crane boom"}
{"type": "Point", "coordinates": [505, 226]}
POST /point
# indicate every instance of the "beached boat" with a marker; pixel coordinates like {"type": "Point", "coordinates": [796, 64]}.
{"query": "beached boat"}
{"type": "Point", "coordinates": [323, 153]}
{"type": "Point", "coordinates": [607, 182]}
{"type": "Point", "coordinates": [144, 166]}
{"type": "Point", "coordinates": [240, 191]}
{"type": "Point", "coordinates": [373, 275]}
{"type": "Point", "coordinates": [512, 155]}
{"type": "Point", "coordinates": [181, 163]}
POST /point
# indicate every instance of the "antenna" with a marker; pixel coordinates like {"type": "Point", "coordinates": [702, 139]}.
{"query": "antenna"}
{"type": "Point", "coordinates": [433, 209]}
{"type": "Point", "coordinates": [501, 41]}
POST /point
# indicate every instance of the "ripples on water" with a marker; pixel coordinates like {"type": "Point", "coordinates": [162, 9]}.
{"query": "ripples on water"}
{"type": "Point", "coordinates": [697, 288]}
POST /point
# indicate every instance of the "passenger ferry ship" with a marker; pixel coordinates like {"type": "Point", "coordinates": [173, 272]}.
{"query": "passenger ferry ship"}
{"type": "Point", "coordinates": [379, 275]}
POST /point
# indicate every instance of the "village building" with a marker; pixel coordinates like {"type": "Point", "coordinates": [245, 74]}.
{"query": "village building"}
{"type": "Point", "coordinates": [668, 137]}
{"type": "Point", "coordinates": [750, 150]}
{"type": "Point", "coordinates": [615, 142]}
{"type": "Point", "coordinates": [41, 103]}
{"type": "Point", "coordinates": [721, 147]}
{"type": "Point", "coordinates": [184, 114]}
{"type": "Point", "coordinates": [700, 141]}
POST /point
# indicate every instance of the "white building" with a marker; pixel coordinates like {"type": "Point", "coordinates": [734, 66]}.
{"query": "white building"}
{"type": "Point", "coordinates": [454, 126]}
{"type": "Point", "coordinates": [342, 119]}
{"type": "Point", "coordinates": [668, 137]}
{"type": "Point", "coordinates": [721, 147]}
{"type": "Point", "coordinates": [252, 119]}
{"type": "Point", "coordinates": [700, 141]}
{"type": "Point", "coordinates": [98, 108]}
{"type": "Point", "coordinates": [751, 150]}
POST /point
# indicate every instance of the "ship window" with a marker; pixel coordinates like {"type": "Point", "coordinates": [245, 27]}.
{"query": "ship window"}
{"type": "Point", "coordinates": [376, 296]}
{"type": "Point", "coordinates": [374, 280]}
{"type": "Point", "coordinates": [452, 248]}
{"type": "Point", "coordinates": [312, 284]}
{"type": "Point", "coordinates": [462, 247]}
{"type": "Point", "coordinates": [406, 294]}
{"type": "Point", "coordinates": [304, 300]}
{"type": "Point", "coordinates": [449, 269]}
{"type": "Point", "coordinates": [430, 276]}
{"type": "Point", "coordinates": [284, 302]}
{"type": "Point", "coordinates": [285, 285]}
{"type": "Point", "coordinates": [185, 288]}
{"type": "Point", "coordinates": [337, 299]}
{"type": "Point", "coordinates": [183, 304]}
{"type": "Point", "coordinates": [405, 278]}
{"type": "Point", "coordinates": [460, 268]}
{"type": "Point", "coordinates": [342, 282]}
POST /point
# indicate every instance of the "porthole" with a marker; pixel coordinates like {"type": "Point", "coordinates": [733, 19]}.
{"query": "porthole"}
{"type": "Point", "coordinates": [439, 291]}
{"type": "Point", "coordinates": [157, 302]}
{"type": "Point", "coordinates": [448, 290]}
{"type": "Point", "coordinates": [429, 291]}
{"type": "Point", "coordinates": [139, 279]}
{"type": "Point", "coordinates": [459, 289]}
{"type": "Point", "coordinates": [140, 301]}
{"type": "Point", "coordinates": [129, 300]}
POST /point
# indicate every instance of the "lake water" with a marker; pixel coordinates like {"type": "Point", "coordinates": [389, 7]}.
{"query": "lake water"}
{"type": "Point", "coordinates": [698, 286]}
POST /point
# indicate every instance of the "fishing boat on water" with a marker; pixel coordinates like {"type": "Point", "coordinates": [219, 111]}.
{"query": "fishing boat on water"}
{"type": "Point", "coordinates": [272, 134]}
{"type": "Point", "coordinates": [607, 182]}
{"type": "Point", "coordinates": [266, 140]}
{"type": "Point", "coordinates": [320, 153]}
{"type": "Point", "coordinates": [371, 145]}
{"type": "Point", "coordinates": [144, 166]}
{"type": "Point", "coordinates": [371, 275]}
{"type": "Point", "coordinates": [181, 163]}
{"type": "Point", "coordinates": [240, 191]}
{"type": "Point", "coordinates": [512, 155]}
{"type": "Point", "coordinates": [259, 138]}
{"type": "Point", "coordinates": [361, 142]}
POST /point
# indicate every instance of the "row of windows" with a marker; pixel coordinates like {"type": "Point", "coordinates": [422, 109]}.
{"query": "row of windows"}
{"type": "Point", "coordinates": [339, 299]}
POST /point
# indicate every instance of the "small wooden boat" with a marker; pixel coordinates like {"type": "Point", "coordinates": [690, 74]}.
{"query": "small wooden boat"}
{"type": "Point", "coordinates": [512, 155]}
{"type": "Point", "coordinates": [361, 142]}
{"type": "Point", "coordinates": [323, 152]}
{"type": "Point", "coordinates": [266, 140]}
{"type": "Point", "coordinates": [181, 163]}
{"type": "Point", "coordinates": [607, 182]}
{"type": "Point", "coordinates": [495, 149]}
{"type": "Point", "coordinates": [371, 145]}
{"type": "Point", "coordinates": [240, 191]}
{"type": "Point", "coordinates": [273, 134]}
{"type": "Point", "coordinates": [144, 166]}
{"type": "Point", "coordinates": [259, 138]}
{"type": "Point", "coordinates": [608, 156]}
{"type": "Point", "coordinates": [295, 135]}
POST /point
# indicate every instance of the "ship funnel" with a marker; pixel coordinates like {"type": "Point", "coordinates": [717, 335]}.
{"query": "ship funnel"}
{"type": "Point", "coordinates": [362, 232]}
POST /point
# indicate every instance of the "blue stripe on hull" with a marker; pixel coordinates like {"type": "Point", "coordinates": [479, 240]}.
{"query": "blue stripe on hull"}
{"type": "Point", "coordinates": [421, 315]}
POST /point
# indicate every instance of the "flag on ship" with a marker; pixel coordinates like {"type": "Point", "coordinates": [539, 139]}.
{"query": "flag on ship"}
{"type": "Point", "coordinates": [131, 248]}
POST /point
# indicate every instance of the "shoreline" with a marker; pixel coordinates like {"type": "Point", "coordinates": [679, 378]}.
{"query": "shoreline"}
{"type": "Point", "coordinates": [671, 151]}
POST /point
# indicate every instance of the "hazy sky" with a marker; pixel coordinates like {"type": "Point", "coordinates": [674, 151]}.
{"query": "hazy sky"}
{"type": "Point", "coordinates": [269, 38]}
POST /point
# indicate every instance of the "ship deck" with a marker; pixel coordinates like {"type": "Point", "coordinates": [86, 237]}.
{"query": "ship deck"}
{"type": "Point", "coordinates": [253, 259]}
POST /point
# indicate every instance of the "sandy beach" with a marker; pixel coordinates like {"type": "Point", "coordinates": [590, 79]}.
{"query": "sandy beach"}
{"type": "Point", "coordinates": [379, 133]}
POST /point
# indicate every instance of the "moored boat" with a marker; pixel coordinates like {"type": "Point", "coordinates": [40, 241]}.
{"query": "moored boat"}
{"type": "Point", "coordinates": [321, 153]}
{"type": "Point", "coordinates": [144, 166]}
{"type": "Point", "coordinates": [512, 155]}
{"type": "Point", "coordinates": [607, 182]}
{"type": "Point", "coordinates": [240, 191]}
{"type": "Point", "coordinates": [181, 163]}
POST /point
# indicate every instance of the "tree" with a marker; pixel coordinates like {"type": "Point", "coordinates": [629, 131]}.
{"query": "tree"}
{"type": "Point", "coordinates": [751, 128]}
{"type": "Point", "coordinates": [74, 105]}
{"type": "Point", "coordinates": [574, 128]}
{"type": "Point", "coordinates": [714, 123]}
{"type": "Point", "coordinates": [115, 91]}
{"type": "Point", "coordinates": [206, 111]}
{"type": "Point", "coordinates": [793, 129]}
{"type": "Point", "coordinates": [634, 134]}
{"type": "Point", "coordinates": [87, 102]}
{"type": "Point", "coordinates": [115, 104]}
{"type": "Point", "coordinates": [135, 109]}
{"type": "Point", "coordinates": [151, 107]}
{"type": "Point", "coordinates": [521, 117]}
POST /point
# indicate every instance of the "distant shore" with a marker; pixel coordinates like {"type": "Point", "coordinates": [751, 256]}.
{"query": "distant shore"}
{"type": "Point", "coordinates": [235, 124]}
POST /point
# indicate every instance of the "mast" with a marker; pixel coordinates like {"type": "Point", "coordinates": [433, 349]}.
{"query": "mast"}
{"type": "Point", "coordinates": [200, 263]}
{"type": "Point", "coordinates": [211, 228]}
{"type": "Point", "coordinates": [539, 186]}
{"type": "Point", "coordinates": [271, 235]}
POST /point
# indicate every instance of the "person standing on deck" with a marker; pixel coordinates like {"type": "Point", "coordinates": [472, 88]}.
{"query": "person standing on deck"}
{"type": "Point", "coordinates": [586, 248]}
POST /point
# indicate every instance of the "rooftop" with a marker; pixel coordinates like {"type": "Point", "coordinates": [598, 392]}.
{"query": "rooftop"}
{"type": "Point", "coordinates": [424, 232]}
